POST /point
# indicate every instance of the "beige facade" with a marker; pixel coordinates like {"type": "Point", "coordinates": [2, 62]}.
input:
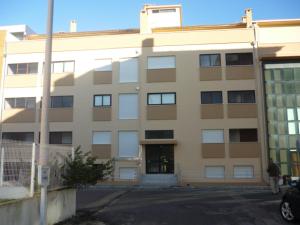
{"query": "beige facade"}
{"type": "Point", "coordinates": [194, 159]}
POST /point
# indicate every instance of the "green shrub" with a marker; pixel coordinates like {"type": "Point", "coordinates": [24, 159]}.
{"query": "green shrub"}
{"type": "Point", "coordinates": [83, 171]}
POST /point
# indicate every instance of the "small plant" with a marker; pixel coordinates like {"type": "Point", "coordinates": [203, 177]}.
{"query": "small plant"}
{"type": "Point", "coordinates": [82, 170]}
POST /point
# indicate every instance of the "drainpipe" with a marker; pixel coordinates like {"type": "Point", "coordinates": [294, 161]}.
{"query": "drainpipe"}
{"type": "Point", "coordinates": [261, 110]}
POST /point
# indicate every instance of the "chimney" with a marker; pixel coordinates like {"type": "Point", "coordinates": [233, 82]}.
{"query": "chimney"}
{"type": "Point", "coordinates": [248, 18]}
{"type": "Point", "coordinates": [144, 26]}
{"type": "Point", "coordinates": [73, 26]}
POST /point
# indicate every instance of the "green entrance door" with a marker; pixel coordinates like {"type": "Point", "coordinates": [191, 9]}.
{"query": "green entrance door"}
{"type": "Point", "coordinates": [159, 159]}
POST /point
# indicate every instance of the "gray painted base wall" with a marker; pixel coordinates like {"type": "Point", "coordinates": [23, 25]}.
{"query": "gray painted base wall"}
{"type": "Point", "coordinates": [61, 205]}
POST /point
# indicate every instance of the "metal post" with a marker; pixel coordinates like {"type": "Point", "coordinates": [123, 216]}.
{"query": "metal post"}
{"type": "Point", "coordinates": [32, 170]}
{"type": "Point", "coordinates": [2, 167]}
{"type": "Point", "coordinates": [43, 161]}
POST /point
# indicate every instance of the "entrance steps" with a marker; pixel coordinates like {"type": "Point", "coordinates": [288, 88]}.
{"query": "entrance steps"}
{"type": "Point", "coordinates": [164, 180]}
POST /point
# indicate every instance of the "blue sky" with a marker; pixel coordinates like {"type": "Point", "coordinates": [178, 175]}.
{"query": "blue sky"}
{"type": "Point", "coordinates": [118, 14]}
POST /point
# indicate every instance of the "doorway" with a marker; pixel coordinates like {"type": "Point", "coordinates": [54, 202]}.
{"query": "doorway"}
{"type": "Point", "coordinates": [160, 159]}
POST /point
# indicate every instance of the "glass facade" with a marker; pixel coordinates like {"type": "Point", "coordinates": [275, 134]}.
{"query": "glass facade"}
{"type": "Point", "coordinates": [282, 89]}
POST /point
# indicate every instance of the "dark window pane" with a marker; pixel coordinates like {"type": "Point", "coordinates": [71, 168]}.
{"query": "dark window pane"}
{"type": "Point", "coordinates": [215, 60]}
{"type": "Point", "coordinates": [208, 60]}
{"type": "Point", "coordinates": [20, 103]}
{"type": "Point", "coordinates": [32, 67]}
{"type": "Point", "coordinates": [56, 101]}
{"type": "Point", "coordinates": [19, 136]}
{"type": "Point", "coordinates": [243, 135]}
{"type": "Point", "coordinates": [12, 69]}
{"type": "Point", "coordinates": [241, 97]}
{"type": "Point", "coordinates": [159, 134]}
{"type": "Point", "coordinates": [204, 61]}
{"type": "Point", "coordinates": [30, 103]}
{"type": "Point", "coordinates": [10, 103]}
{"type": "Point", "coordinates": [211, 97]}
{"type": "Point", "coordinates": [61, 101]}
{"type": "Point", "coordinates": [67, 101]}
{"type": "Point", "coordinates": [60, 138]}
{"type": "Point", "coordinates": [22, 68]}
{"type": "Point", "coordinates": [239, 59]}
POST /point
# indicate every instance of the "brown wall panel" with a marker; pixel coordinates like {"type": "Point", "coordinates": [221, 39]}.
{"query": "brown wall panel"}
{"type": "Point", "coordinates": [101, 151]}
{"type": "Point", "coordinates": [161, 75]}
{"type": "Point", "coordinates": [161, 112]}
{"type": "Point", "coordinates": [61, 115]}
{"type": "Point", "coordinates": [102, 77]}
{"type": "Point", "coordinates": [210, 73]}
{"type": "Point", "coordinates": [240, 72]}
{"type": "Point", "coordinates": [244, 150]}
{"type": "Point", "coordinates": [212, 111]}
{"type": "Point", "coordinates": [213, 150]}
{"type": "Point", "coordinates": [102, 114]}
{"type": "Point", "coordinates": [19, 116]}
{"type": "Point", "coordinates": [242, 111]}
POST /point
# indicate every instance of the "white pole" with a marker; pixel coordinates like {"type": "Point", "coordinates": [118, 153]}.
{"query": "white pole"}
{"type": "Point", "coordinates": [2, 167]}
{"type": "Point", "coordinates": [32, 170]}
{"type": "Point", "coordinates": [43, 161]}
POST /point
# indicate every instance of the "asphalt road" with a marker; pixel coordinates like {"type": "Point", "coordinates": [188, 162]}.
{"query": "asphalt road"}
{"type": "Point", "coordinates": [177, 206]}
{"type": "Point", "coordinates": [193, 207]}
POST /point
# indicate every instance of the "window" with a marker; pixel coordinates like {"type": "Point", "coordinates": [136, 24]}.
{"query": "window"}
{"type": "Point", "coordinates": [18, 136]}
{"type": "Point", "coordinates": [214, 172]}
{"type": "Point", "coordinates": [159, 134]}
{"type": "Point", "coordinates": [163, 10]}
{"type": "Point", "coordinates": [128, 106]}
{"type": "Point", "coordinates": [233, 59]}
{"type": "Point", "coordinates": [211, 97]}
{"type": "Point", "coordinates": [22, 68]}
{"type": "Point", "coordinates": [103, 65]}
{"type": "Point", "coordinates": [243, 135]}
{"type": "Point", "coordinates": [101, 138]}
{"type": "Point", "coordinates": [61, 102]}
{"type": "Point", "coordinates": [210, 60]}
{"type": "Point", "coordinates": [161, 62]}
{"type": "Point", "coordinates": [28, 103]}
{"type": "Point", "coordinates": [128, 144]}
{"type": "Point", "coordinates": [161, 98]}
{"type": "Point", "coordinates": [128, 70]}
{"type": "Point", "coordinates": [128, 173]}
{"type": "Point", "coordinates": [102, 100]}
{"type": "Point", "coordinates": [212, 136]}
{"type": "Point", "coordinates": [64, 138]}
{"type": "Point", "coordinates": [241, 97]}
{"type": "Point", "coordinates": [63, 67]}
{"type": "Point", "coordinates": [243, 172]}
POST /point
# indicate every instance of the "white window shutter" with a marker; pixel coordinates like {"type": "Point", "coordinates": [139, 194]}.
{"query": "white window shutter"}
{"type": "Point", "coordinates": [128, 144]}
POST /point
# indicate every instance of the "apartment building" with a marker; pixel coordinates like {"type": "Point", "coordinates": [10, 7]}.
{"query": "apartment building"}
{"type": "Point", "coordinates": [185, 104]}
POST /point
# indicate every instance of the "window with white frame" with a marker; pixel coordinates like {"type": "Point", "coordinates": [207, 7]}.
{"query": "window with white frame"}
{"type": "Point", "coordinates": [128, 106]}
{"type": "Point", "coordinates": [216, 172]}
{"type": "Point", "coordinates": [128, 144]}
{"type": "Point", "coordinates": [128, 70]}
{"type": "Point", "coordinates": [103, 65]}
{"type": "Point", "coordinates": [22, 68]}
{"type": "Point", "coordinates": [161, 62]}
{"type": "Point", "coordinates": [101, 138]}
{"type": "Point", "coordinates": [161, 98]}
{"type": "Point", "coordinates": [243, 172]}
{"type": "Point", "coordinates": [28, 103]}
{"type": "Point", "coordinates": [102, 100]}
{"type": "Point", "coordinates": [63, 67]}
{"type": "Point", "coordinates": [212, 136]}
